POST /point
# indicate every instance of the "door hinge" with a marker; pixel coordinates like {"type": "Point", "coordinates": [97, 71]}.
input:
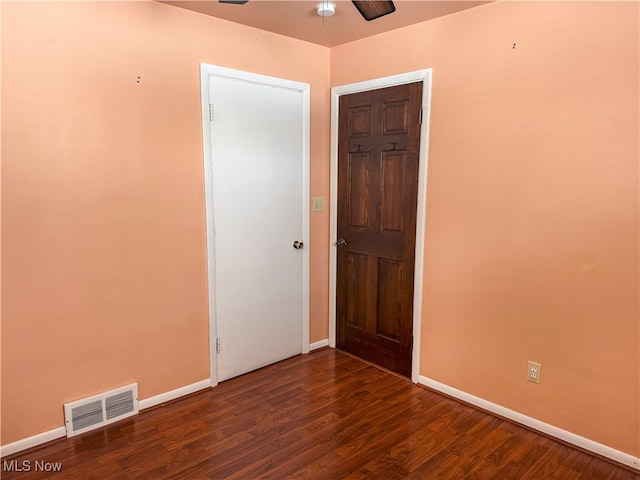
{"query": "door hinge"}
{"type": "Point", "coordinates": [211, 112]}
{"type": "Point", "coordinates": [217, 345]}
{"type": "Point", "coordinates": [420, 116]}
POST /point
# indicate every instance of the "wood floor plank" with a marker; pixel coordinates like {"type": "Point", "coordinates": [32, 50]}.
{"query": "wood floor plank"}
{"type": "Point", "coordinates": [348, 439]}
{"type": "Point", "coordinates": [519, 449]}
{"type": "Point", "coordinates": [326, 415]}
{"type": "Point", "coordinates": [549, 465]}
{"type": "Point", "coordinates": [413, 452]}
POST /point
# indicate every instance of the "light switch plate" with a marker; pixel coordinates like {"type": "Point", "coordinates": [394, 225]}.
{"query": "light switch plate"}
{"type": "Point", "coordinates": [318, 204]}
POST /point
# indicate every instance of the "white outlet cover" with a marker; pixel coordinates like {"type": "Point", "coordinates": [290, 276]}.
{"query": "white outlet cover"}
{"type": "Point", "coordinates": [533, 372]}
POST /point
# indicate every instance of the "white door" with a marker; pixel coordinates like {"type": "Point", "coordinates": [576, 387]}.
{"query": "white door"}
{"type": "Point", "coordinates": [258, 156]}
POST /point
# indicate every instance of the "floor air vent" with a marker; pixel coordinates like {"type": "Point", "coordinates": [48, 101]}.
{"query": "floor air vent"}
{"type": "Point", "coordinates": [102, 409]}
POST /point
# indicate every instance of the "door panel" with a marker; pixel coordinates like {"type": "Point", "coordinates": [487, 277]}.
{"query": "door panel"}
{"type": "Point", "coordinates": [358, 188]}
{"type": "Point", "coordinates": [392, 188]}
{"type": "Point", "coordinates": [257, 164]}
{"type": "Point", "coordinates": [356, 299]}
{"type": "Point", "coordinates": [389, 295]}
{"type": "Point", "coordinates": [378, 157]}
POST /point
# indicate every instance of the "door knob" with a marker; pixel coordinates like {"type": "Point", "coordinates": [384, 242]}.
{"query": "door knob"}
{"type": "Point", "coordinates": [341, 242]}
{"type": "Point", "coordinates": [298, 245]}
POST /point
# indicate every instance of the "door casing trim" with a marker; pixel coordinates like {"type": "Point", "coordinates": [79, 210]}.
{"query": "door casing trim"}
{"type": "Point", "coordinates": [423, 76]}
{"type": "Point", "coordinates": [207, 71]}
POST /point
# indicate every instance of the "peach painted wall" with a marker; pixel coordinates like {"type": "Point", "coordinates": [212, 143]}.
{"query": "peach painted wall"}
{"type": "Point", "coordinates": [532, 205]}
{"type": "Point", "coordinates": [103, 230]}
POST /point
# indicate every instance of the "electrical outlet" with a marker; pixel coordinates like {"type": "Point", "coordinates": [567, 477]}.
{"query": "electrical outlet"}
{"type": "Point", "coordinates": [318, 204]}
{"type": "Point", "coordinates": [533, 372]}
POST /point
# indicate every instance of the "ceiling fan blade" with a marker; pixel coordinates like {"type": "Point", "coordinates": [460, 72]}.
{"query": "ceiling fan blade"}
{"type": "Point", "coordinates": [372, 9]}
{"type": "Point", "coordinates": [234, 2]}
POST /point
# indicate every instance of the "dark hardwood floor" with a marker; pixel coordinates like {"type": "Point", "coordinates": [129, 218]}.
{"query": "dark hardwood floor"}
{"type": "Point", "coordinates": [320, 416]}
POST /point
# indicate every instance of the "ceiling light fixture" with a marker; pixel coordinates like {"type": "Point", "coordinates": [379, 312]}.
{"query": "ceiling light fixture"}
{"type": "Point", "coordinates": [326, 9]}
{"type": "Point", "coordinates": [373, 9]}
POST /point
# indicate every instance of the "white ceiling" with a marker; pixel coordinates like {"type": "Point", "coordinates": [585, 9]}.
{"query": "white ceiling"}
{"type": "Point", "coordinates": [298, 18]}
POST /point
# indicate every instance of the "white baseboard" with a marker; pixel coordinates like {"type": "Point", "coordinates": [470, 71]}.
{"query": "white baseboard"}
{"type": "Point", "coordinates": [29, 442]}
{"type": "Point", "coordinates": [572, 438]}
{"type": "Point", "coordinates": [56, 433]}
{"type": "Point", "coordinates": [174, 394]}
{"type": "Point", "coordinates": [319, 344]}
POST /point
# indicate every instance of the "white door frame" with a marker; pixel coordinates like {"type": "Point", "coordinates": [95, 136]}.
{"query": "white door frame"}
{"type": "Point", "coordinates": [423, 76]}
{"type": "Point", "coordinates": [207, 71]}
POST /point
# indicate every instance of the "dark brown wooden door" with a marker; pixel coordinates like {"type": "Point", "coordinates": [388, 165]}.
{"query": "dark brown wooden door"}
{"type": "Point", "coordinates": [378, 157]}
